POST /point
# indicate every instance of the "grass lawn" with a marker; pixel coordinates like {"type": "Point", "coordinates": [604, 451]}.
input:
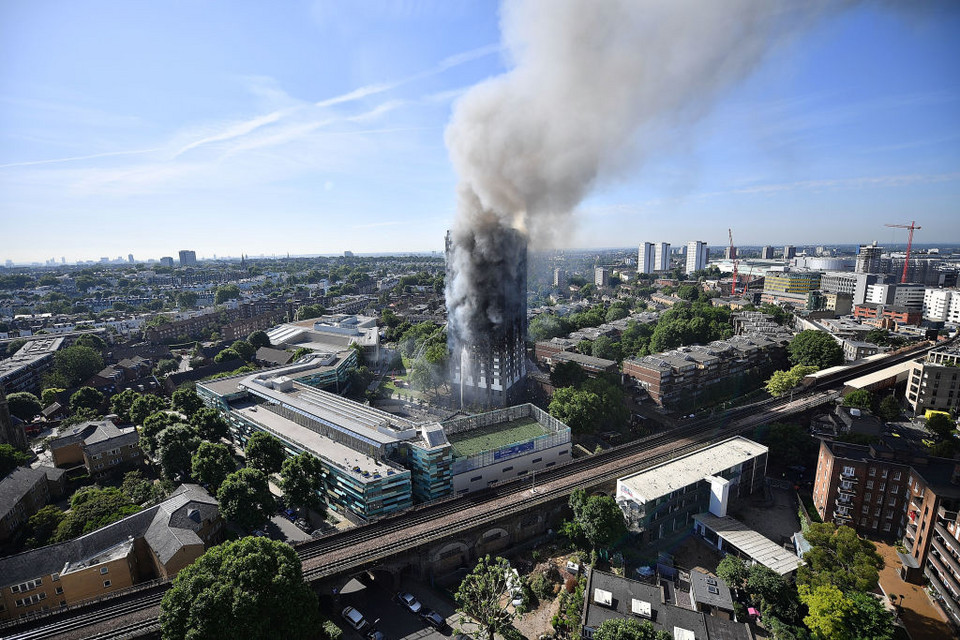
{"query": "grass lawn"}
{"type": "Point", "coordinates": [495, 436]}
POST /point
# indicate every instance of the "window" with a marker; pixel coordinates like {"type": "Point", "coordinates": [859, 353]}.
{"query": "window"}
{"type": "Point", "coordinates": [892, 501]}
{"type": "Point", "coordinates": [876, 523]}
{"type": "Point", "coordinates": [865, 509]}
{"type": "Point", "coordinates": [886, 527]}
{"type": "Point", "coordinates": [106, 583]}
{"type": "Point", "coordinates": [883, 486]}
{"type": "Point", "coordinates": [536, 460]}
{"type": "Point", "coordinates": [59, 590]}
{"type": "Point", "coordinates": [510, 468]}
{"type": "Point", "coordinates": [867, 497]}
{"type": "Point", "coordinates": [873, 471]}
{"type": "Point", "coordinates": [475, 478]}
{"type": "Point", "coordinates": [884, 473]}
{"type": "Point", "coordinates": [876, 514]}
{"type": "Point", "coordinates": [104, 570]}
{"type": "Point", "coordinates": [869, 484]}
{"type": "Point", "coordinates": [55, 577]}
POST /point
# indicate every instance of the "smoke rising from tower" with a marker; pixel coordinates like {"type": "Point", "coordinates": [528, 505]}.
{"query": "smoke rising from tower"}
{"type": "Point", "coordinates": [595, 85]}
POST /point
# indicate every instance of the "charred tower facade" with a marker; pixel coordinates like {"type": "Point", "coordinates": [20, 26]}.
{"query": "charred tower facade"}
{"type": "Point", "coordinates": [487, 315]}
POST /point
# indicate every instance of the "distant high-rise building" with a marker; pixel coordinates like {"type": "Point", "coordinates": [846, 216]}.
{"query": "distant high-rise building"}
{"type": "Point", "coordinates": [697, 255]}
{"type": "Point", "coordinates": [188, 258]}
{"type": "Point", "coordinates": [766, 253]}
{"type": "Point", "coordinates": [868, 258]}
{"type": "Point", "coordinates": [166, 261]}
{"type": "Point", "coordinates": [601, 277]}
{"type": "Point", "coordinates": [661, 260]}
{"type": "Point", "coordinates": [789, 252]}
{"type": "Point", "coordinates": [346, 254]}
{"type": "Point", "coordinates": [730, 253]}
{"type": "Point", "coordinates": [559, 278]}
{"type": "Point", "coordinates": [646, 258]}
{"type": "Point", "coordinates": [130, 258]}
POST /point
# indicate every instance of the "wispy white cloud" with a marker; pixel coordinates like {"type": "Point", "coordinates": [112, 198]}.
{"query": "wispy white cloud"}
{"type": "Point", "coordinates": [843, 183]}
{"type": "Point", "coordinates": [91, 156]}
{"type": "Point", "coordinates": [235, 130]}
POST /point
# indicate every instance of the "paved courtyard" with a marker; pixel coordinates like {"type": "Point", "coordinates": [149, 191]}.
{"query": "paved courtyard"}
{"type": "Point", "coordinates": [923, 620]}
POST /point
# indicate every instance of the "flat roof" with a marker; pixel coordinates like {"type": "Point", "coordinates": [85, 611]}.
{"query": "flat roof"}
{"type": "Point", "coordinates": [760, 548]}
{"type": "Point", "coordinates": [681, 472]}
{"type": "Point", "coordinates": [474, 441]}
{"type": "Point", "coordinates": [877, 377]}
{"type": "Point", "coordinates": [339, 455]}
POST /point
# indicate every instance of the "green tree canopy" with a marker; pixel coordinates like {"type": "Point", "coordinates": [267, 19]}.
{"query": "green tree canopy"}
{"type": "Point", "coordinates": [567, 374]}
{"type": "Point", "coordinates": [781, 382]}
{"type": "Point", "coordinates": [187, 299]}
{"type": "Point", "coordinates": [151, 428]}
{"type": "Point", "coordinates": [300, 480]}
{"type": "Point", "coordinates": [92, 508]}
{"type": "Point", "coordinates": [211, 464]}
{"type": "Point", "coordinates": [889, 409]}
{"type": "Point", "coordinates": [859, 399]}
{"type": "Point", "coordinates": [245, 349]}
{"type": "Point", "coordinates": [93, 341]}
{"type": "Point", "coordinates": [42, 525]}
{"type": "Point", "coordinates": [941, 424]}
{"type": "Point", "coordinates": [76, 364]}
{"type": "Point", "coordinates": [576, 409]}
{"type": "Point", "coordinates": [481, 597]}
{"type": "Point", "coordinates": [597, 518]}
{"type": "Point", "coordinates": [546, 326]}
{"type": "Point", "coordinates": [840, 558]}
{"type": "Point", "coordinates": [140, 490]}
{"type": "Point", "coordinates": [815, 348]}
{"type": "Point", "coordinates": [835, 615]}
{"type": "Point", "coordinates": [49, 396]}
{"type": "Point", "coordinates": [252, 584]}
{"type": "Point", "coordinates": [121, 404]}
{"type": "Point", "coordinates": [174, 450]}
{"type": "Point", "coordinates": [144, 406]}
{"type": "Point", "coordinates": [227, 355]}
{"type": "Point", "coordinates": [210, 424]}
{"type": "Point", "coordinates": [245, 498]}
{"type": "Point", "coordinates": [605, 347]}
{"type": "Point", "coordinates": [186, 401]}
{"type": "Point", "coordinates": [733, 571]}
{"type": "Point", "coordinates": [86, 398]}
{"type": "Point", "coordinates": [629, 629]}
{"type": "Point", "coordinates": [24, 405]}
{"type": "Point", "coordinates": [265, 452]}
{"type": "Point", "coordinates": [259, 339]}
{"type": "Point", "coordinates": [226, 292]}
{"type": "Point", "coordinates": [10, 459]}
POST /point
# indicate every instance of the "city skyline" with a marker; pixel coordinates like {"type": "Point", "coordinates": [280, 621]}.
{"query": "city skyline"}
{"type": "Point", "coordinates": [322, 130]}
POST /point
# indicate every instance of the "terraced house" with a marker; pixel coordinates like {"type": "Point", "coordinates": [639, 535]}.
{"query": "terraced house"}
{"type": "Point", "coordinates": [155, 543]}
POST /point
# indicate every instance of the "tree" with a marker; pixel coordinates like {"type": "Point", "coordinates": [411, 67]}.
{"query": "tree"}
{"type": "Point", "coordinates": [616, 312]}
{"type": "Point", "coordinates": [300, 480]}
{"type": "Point", "coordinates": [265, 452]}
{"type": "Point", "coordinates": [827, 609]}
{"type": "Point", "coordinates": [175, 446]}
{"type": "Point", "coordinates": [815, 348]}
{"type": "Point", "coordinates": [245, 498]}
{"type": "Point", "coordinates": [165, 366]}
{"type": "Point", "coordinates": [121, 404]}
{"type": "Point", "coordinates": [889, 409]}
{"type": "Point", "coordinates": [187, 299]}
{"type": "Point", "coordinates": [187, 402]}
{"type": "Point", "coordinates": [253, 584]}
{"type": "Point", "coordinates": [86, 398]}
{"type": "Point", "coordinates": [42, 525]}
{"type": "Point", "coordinates": [605, 347]}
{"type": "Point", "coordinates": [226, 356]}
{"type": "Point", "coordinates": [76, 364]}
{"type": "Point", "coordinates": [733, 571]}
{"type": "Point", "coordinates": [860, 399]}
{"type": "Point", "coordinates": [10, 459]}
{"type": "Point", "coordinates": [781, 382]}
{"type": "Point", "coordinates": [259, 339]}
{"type": "Point", "coordinates": [546, 326]}
{"type": "Point", "coordinates": [940, 424]}
{"type": "Point", "coordinates": [145, 405]}
{"type": "Point", "coordinates": [598, 518]}
{"type": "Point", "coordinates": [838, 557]}
{"type": "Point", "coordinates": [567, 374]}
{"type": "Point", "coordinates": [140, 490]}
{"type": "Point", "coordinates": [245, 349]}
{"type": "Point", "coordinates": [576, 409]}
{"type": "Point", "coordinates": [868, 618]}
{"type": "Point", "coordinates": [210, 425]}
{"type": "Point", "coordinates": [480, 596]}
{"type": "Point", "coordinates": [92, 341]}
{"type": "Point", "coordinates": [15, 345]}
{"type": "Point", "coordinates": [226, 292]}
{"type": "Point", "coordinates": [211, 464]}
{"type": "Point", "coordinates": [24, 405]}
{"type": "Point", "coordinates": [629, 629]}
{"type": "Point", "coordinates": [49, 396]}
{"type": "Point", "coordinates": [151, 428]}
{"type": "Point", "coordinates": [92, 508]}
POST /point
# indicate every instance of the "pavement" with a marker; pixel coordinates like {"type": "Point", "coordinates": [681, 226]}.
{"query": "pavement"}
{"type": "Point", "coordinates": [922, 619]}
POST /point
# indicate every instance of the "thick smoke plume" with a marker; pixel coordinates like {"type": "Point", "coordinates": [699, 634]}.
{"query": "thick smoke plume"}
{"type": "Point", "coordinates": [594, 86]}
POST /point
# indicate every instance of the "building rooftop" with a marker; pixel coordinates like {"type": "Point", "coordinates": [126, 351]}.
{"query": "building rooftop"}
{"type": "Point", "coordinates": [583, 360]}
{"type": "Point", "coordinates": [710, 590]}
{"type": "Point", "coordinates": [30, 353]}
{"type": "Point", "coordinates": [16, 485]}
{"type": "Point", "coordinates": [750, 542]}
{"type": "Point", "coordinates": [667, 477]}
{"type": "Point", "coordinates": [488, 438]}
{"type": "Point", "coordinates": [97, 436]}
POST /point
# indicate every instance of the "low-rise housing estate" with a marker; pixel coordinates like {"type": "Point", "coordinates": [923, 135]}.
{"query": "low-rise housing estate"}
{"type": "Point", "coordinates": [100, 446]}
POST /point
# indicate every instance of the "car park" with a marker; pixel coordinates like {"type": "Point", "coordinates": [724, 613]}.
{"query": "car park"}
{"type": "Point", "coordinates": [354, 618]}
{"type": "Point", "coordinates": [409, 601]}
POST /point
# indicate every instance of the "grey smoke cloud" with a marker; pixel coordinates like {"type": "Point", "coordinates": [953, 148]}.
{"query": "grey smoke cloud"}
{"type": "Point", "coordinates": [594, 86]}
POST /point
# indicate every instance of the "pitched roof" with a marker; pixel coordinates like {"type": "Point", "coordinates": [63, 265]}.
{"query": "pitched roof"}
{"type": "Point", "coordinates": [16, 485]}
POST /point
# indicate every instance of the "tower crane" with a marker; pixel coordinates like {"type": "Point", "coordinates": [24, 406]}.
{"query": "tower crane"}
{"type": "Point", "coordinates": [906, 261]}
{"type": "Point", "coordinates": [736, 262]}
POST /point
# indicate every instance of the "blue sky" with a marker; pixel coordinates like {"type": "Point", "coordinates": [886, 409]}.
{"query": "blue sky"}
{"type": "Point", "coordinates": [315, 127]}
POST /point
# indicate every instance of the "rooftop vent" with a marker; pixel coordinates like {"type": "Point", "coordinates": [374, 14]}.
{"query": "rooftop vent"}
{"type": "Point", "coordinates": [194, 514]}
{"type": "Point", "coordinates": [640, 608]}
{"type": "Point", "coordinates": [603, 597]}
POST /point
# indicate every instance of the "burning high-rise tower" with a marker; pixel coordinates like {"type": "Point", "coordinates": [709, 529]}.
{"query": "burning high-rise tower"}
{"type": "Point", "coordinates": [487, 325]}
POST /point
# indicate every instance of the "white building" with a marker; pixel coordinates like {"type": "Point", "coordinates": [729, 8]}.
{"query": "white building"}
{"type": "Point", "coordinates": [896, 295]}
{"type": "Point", "coordinates": [601, 277]}
{"type": "Point", "coordinates": [662, 257]}
{"type": "Point", "coordinates": [936, 303]}
{"type": "Point", "coordinates": [646, 258]}
{"type": "Point", "coordinates": [697, 254]}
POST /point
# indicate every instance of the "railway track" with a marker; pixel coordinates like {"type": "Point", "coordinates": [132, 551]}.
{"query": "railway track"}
{"type": "Point", "coordinates": [86, 619]}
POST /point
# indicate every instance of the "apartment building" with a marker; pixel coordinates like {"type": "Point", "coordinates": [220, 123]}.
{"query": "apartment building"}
{"type": "Point", "coordinates": [937, 303]}
{"type": "Point", "coordinates": [700, 374]}
{"type": "Point", "coordinates": [154, 543]}
{"type": "Point", "coordinates": [863, 487]}
{"type": "Point", "coordinates": [662, 500]}
{"type": "Point", "coordinates": [868, 258]}
{"type": "Point", "coordinates": [601, 277]}
{"type": "Point", "coordinates": [850, 284]}
{"type": "Point", "coordinates": [24, 492]}
{"type": "Point", "coordinates": [909, 296]}
{"type": "Point", "coordinates": [789, 286]}
{"type": "Point", "coordinates": [23, 370]}
{"type": "Point", "coordinates": [662, 257]}
{"type": "Point", "coordinates": [697, 256]}
{"type": "Point", "coordinates": [766, 253]}
{"type": "Point", "coordinates": [646, 258]}
{"type": "Point", "coordinates": [100, 446]}
{"type": "Point", "coordinates": [934, 382]}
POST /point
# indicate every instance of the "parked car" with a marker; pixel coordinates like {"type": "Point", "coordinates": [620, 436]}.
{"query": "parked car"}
{"type": "Point", "coordinates": [434, 619]}
{"type": "Point", "coordinates": [260, 534]}
{"type": "Point", "coordinates": [354, 618]}
{"type": "Point", "coordinates": [409, 601]}
{"type": "Point", "coordinates": [303, 525]}
{"type": "Point", "coordinates": [373, 634]}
